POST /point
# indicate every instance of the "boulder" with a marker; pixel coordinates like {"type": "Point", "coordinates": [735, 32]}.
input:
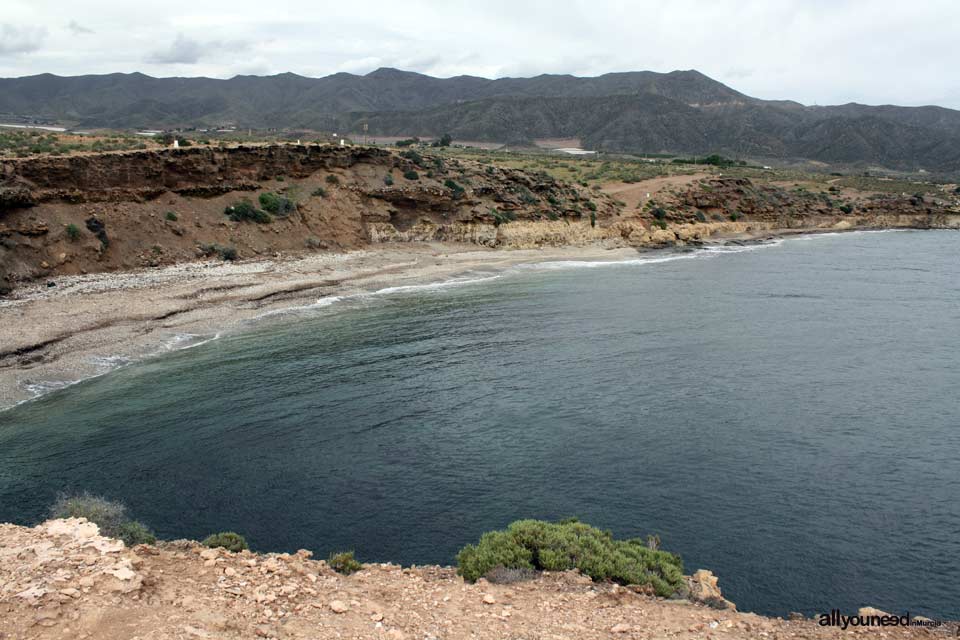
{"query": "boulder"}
{"type": "Point", "coordinates": [704, 588]}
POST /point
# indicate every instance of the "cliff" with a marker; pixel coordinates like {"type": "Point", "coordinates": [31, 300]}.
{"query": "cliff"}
{"type": "Point", "coordinates": [113, 211]}
{"type": "Point", "coordinates": [121, 211]}
{"type": "Point", "coordinates": [62, 579]}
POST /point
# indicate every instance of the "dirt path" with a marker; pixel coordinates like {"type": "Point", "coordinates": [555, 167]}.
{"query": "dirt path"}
{"type": "Point", "coordinates": [637, 193]}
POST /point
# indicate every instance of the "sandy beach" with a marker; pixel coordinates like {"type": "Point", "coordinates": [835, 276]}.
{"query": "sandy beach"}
{"type": "Point", "coordinates": [84, 326]}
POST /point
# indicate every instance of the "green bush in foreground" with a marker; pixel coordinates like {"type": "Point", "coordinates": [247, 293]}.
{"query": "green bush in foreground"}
{"type": "Point", "coordinates": [226, 540]}
{"type": "Point", "coordinates": [344, 563]}
{"type": "Point", "coordinates": [171, 216]}
{"type": "Point", "coordinates": [133, 532]}
{"type": "Point", "coordinates": [110, 516]}
{"type": "Point", "coordinates": [550, 546]}
{"type": "Point", "coordinates": [73, 232]}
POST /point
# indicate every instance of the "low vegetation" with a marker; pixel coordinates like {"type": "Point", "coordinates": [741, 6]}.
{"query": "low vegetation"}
{"type": "Point", "coordinates": [344, 562]}
{"type": "Point", "coordinates": [73, 232]}
{"type": "Point", "coordinates": [535, 545]}
{"type": "Point", "coordinates": [110, 516]}
{"type": "Point", "coordinates": [24, 143]}
{"type": "Point", "coordinates": [171, 216]}
{"type": "Point", "coordinates": [502, 217]}
{"type": "Point", "coordinates": [228, 540]}
{"type": "Point", "coordinates": [244, 210]}
{"type": "Point", "coordinates": [227, 253]}
{"type": "Point", "coordinates": [458, 190]}
{"type": "Point", "coordinates": [277, 204]}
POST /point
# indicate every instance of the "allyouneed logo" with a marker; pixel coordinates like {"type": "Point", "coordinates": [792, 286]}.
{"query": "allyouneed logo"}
{"type": "Point", "coordinates": [837, 619]}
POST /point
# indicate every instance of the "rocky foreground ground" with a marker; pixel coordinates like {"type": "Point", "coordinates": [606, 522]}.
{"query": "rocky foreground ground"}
{"type": "Point", "coordinates": [62, 579]}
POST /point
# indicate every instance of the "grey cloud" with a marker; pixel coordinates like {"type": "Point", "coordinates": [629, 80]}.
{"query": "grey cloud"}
{"type": "Point", "coordinates": [16, 40]}
{"type": "Point", "coordinates": [186, 50]}
{"type": "Point", "coordinates": [183, 51]}
{"type": "Point", "coordinates": [78, 29]}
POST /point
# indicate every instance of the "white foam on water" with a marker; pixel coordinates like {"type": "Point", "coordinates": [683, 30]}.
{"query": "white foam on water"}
{"type": "Point", "coordinates": [181, 341]}
{"type": "Point", "coordinates": [443, 284]}
{"type": "Point", "coordinates": [103, 365]}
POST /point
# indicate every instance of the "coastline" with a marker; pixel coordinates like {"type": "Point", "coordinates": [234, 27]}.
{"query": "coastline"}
{"type": "Point", "coordinates": [86, 326]}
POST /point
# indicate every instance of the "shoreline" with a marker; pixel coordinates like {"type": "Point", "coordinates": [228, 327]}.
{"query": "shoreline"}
{"type": "Point", "coordinates": [87, 326]}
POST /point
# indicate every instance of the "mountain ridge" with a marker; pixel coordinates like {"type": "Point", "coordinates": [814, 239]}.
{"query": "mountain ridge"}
{"type": "Point", "coordinates": [681, 111]}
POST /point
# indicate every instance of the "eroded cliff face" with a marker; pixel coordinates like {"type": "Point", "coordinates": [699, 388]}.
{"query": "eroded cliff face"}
{"type": "Point", "coordinates": [103, 212]}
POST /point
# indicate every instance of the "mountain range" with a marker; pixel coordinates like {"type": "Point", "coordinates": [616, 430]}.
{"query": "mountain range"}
{"type": "Point", "coordinates": [682, 112]}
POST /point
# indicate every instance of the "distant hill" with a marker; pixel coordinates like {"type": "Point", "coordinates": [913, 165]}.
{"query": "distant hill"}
{"type": "Point", "coordinates": [677, 112]}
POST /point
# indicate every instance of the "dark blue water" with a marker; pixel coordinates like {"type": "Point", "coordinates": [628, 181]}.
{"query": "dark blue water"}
{"type": "Point", "coordinates": [787, 417]}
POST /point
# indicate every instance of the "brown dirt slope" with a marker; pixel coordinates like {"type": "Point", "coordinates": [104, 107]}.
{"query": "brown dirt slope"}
{"type": "Point", "coordinates": [126, 210]}
{"type": "Point", "coordinates": [62, 579]}
{"type": "Point", "coordinates": [163, 207]}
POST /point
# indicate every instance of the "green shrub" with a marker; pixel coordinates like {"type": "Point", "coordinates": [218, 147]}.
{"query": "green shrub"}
{"type": "Point", "coordinates": [110, 516]}
{"type": "Point", "coordinates": [458, 191]}
{"type": "Point", "coordinates": [411, 175]}
{"type": "Point", "coordinates": [73, 232]}
{"type": "Point", "coordinates": [226, 540]}
{"type": "Point", "coordinates": [846, 208]}
{"type": "Point", "coordinates": [412, 156]}
{"type": "Point", "coordinates": [332, 179]}
{"type": "Point", "coordinates": [734, 216]}
{"type": "Point", "coordinates": [106, 514]}
{"type": "Point", "coordinates": [133, 533]}
{"type": "Point", "coordinates": [502, 217]}
{"type": "Point", "coordinates": [344, 563]}
{"type": "Point", "coordinates": [388, 180]}
{"type": "Point", "coordinates": [593, 219]}
{"type": "Point", "coordinates": [591, 205]}
{"type": "Point", "coordinates": [277, 204]}
{"type": "Point", "coordinates": [319, 192]}
{"type": "Point", "coordinates": [171, 216]}
{"type": "Point", "coordinates": [549, 546]}
{"type": "Point", "coordinates": [225, 253]}
{"type": "Point", "coordinates": [659, 213]}
{"type": "Point", "coordinates": [700, 216]}
{"type": "Point", "coordinates": [244, 210]}
{"type": "Point", "coordinates": [662, 224]}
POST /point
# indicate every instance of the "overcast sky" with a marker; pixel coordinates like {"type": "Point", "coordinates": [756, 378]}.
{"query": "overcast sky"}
{"type": "Point", "coordinates": [814, 51]}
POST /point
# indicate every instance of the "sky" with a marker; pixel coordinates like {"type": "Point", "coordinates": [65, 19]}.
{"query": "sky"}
{"type": "Point", "coordinates": [812, 51]}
